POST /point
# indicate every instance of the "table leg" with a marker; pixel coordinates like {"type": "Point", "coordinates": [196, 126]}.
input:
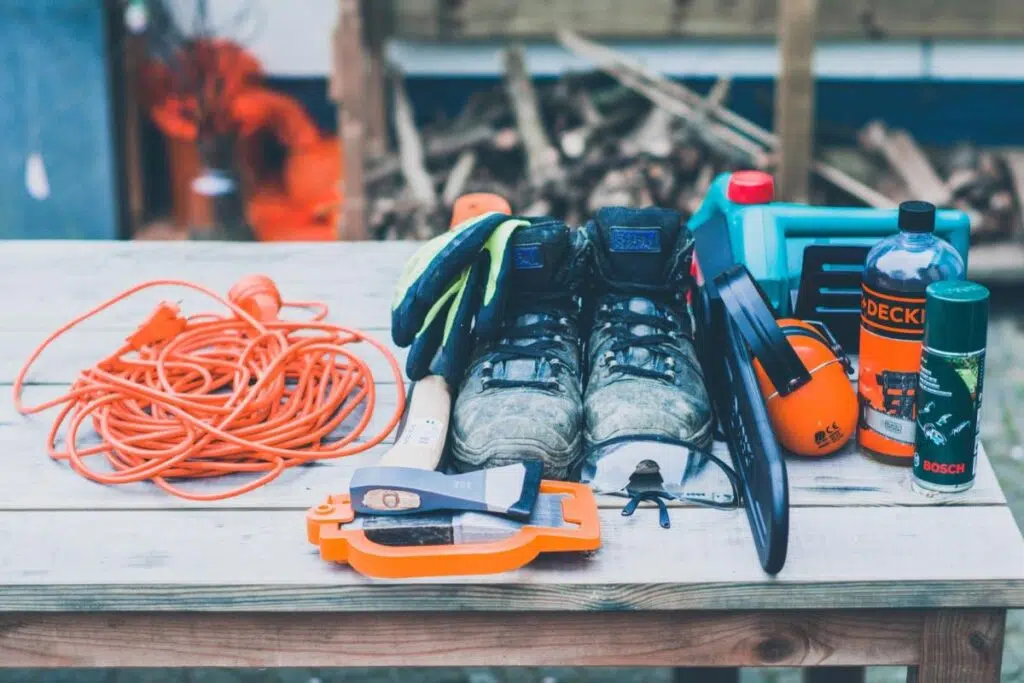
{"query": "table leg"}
{"type": "Point", "coordinates": [695, 674]}
{"type": "Point", "coordinates": [961, 645]}
{"type": "Point", "coordinates": [834, 674]}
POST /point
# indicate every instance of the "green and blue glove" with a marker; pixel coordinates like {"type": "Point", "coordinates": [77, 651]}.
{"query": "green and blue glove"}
{"type": "Point", "coordinates": [451, 294]}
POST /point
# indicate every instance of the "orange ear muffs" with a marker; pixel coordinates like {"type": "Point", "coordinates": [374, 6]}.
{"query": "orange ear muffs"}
{"type": "Point", "coordinates": [819, 417]}
{"type": "Point", "coordinates": [800, 368]}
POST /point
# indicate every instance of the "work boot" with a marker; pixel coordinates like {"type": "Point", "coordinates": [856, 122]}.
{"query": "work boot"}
{"type": "Point", "coordinates": [521, 398]}
{"type": "Point", "coordinates": [643, 376]}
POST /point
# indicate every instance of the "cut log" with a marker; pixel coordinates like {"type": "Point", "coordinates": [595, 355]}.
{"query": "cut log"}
{"type": "Point", "coordinates": [905, 157]}
{"type": "Point", "coordinates": [542, 159]}
{"type": "Point", "coordinates": [587, 109]}
{"type": "Point", "coordinates": [447, 143]}
{"type": "Point", "coordinates": [574, 142]}
{"type": "Point", "coordinates": [661, 90]}
{"type": "Point", "coordinates": [652, 137]}
{"type": "Point", "coordinates": [458, 177]}
{"type": "Point", "coordinates": [1015, 164]}
{"type": "Point", "coordinates": [410, 147]}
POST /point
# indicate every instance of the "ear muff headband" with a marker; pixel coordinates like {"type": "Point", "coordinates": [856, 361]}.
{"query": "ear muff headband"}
{"type": "Point", "coordinates": [797, 331]}
{"type": "Point", "coordinates": [748, 307]}
{"type": "Point", "coordinates": [820, 332]}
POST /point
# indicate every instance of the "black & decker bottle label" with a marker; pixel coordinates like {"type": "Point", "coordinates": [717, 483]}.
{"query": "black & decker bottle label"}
{"type": "Point", "coordinates": [947, 417]}
{"type": "Point", "coordinates": [892, 326]}
{"type": "Point", "coordinates": [896, 316]}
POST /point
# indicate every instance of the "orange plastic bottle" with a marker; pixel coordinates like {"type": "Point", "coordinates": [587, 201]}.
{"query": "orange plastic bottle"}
{"type": "Point", "coordinates": [896, 273]}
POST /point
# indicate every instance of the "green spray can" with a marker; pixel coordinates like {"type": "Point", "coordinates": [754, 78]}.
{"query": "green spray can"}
{"type": "Point", "coordinates": [948, 402]}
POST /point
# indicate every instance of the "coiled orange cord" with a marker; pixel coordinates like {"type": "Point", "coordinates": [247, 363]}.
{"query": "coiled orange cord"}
{"type": "Point", "coordinates": [210, 395]}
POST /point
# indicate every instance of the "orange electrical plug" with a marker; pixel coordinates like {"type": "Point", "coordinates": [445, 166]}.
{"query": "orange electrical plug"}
{"type": "Point", "coordinates": [257, 295]}
{"type": "Point", "coordinates": [162, 324]}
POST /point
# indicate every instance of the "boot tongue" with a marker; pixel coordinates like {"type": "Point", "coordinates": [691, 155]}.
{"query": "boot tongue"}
{"type": "Point", "coordinates": [539, 255]}
{"type": "Point", "coordinates": [637, 246]}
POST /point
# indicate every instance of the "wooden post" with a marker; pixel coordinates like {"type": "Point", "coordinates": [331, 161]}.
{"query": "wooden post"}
{"type": "Point", "coordinates": [541, 157]}
{"type": "Point", "coordinates": [794, 98]}
{"type": "Point", "coordinates": [347, 83]}
{"type": "Point", "coordinates": [377, 20]}
{"type": "Point", "coordinates": [131, 114]}
{"type": "Point", "coordinates": [961, 645]}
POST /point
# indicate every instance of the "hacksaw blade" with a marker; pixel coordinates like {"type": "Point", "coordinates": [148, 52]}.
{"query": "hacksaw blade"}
{"type": "Point", "coordinates": [445, 528]}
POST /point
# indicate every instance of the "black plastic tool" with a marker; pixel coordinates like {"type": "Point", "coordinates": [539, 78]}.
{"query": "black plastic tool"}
{"type": "Point", "coordinates": [829, 292]}
{"type": "Point", "coordinates": [739, 408]}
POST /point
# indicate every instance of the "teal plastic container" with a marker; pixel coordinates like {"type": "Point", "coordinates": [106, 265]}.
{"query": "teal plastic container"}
{"type": "Point", "coordinates": [770, 237]}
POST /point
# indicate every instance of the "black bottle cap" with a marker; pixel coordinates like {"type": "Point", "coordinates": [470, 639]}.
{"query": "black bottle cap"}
{"type": "Point", "coordinates": [916, 216]}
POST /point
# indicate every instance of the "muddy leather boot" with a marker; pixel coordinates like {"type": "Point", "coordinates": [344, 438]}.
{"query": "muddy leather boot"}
{"type": "Point", "coordinates": [521, 398]}
{"type": "Point", "coordinates": [643, 376]}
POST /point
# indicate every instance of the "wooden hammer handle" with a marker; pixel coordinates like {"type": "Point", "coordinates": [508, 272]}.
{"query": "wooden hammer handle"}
{"type": "Point", "coordinates": [421, 436]}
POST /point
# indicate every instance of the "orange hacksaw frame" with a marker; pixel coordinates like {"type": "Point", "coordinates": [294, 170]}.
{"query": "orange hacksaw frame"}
{"type": "Point", "coordinates": [324, 528]}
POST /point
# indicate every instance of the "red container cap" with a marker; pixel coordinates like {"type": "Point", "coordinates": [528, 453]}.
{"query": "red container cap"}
{"type": "Point", "coordinates": [751, 187]}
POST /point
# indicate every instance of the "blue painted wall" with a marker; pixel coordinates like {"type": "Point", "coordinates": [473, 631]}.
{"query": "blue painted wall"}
{"type": "Point", "coordinates": [55, 99]}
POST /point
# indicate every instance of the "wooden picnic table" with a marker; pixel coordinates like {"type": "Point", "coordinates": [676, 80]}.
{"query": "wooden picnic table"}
{"type": "Point", "coordinates": [91, 575]}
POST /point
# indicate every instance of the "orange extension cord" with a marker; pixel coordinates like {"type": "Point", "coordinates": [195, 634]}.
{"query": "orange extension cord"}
{"type": "Point", "coordinates": [210, 395]}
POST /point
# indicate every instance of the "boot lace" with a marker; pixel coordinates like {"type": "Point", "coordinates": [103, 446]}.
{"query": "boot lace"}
{"type": "Point", "coordinates": [550, 334]}
{"type": "Point", "coordinates": [668, 330]}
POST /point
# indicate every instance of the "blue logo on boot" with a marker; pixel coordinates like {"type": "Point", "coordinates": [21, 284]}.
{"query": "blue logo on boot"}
{"type": "Point", "coordinates": [635, 240]}
{"type": "Point", "coordinates": [527, 257]}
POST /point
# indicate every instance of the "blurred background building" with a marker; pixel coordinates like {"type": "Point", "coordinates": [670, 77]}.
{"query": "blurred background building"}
{"type": "Point", "coordinates": [220, 118]}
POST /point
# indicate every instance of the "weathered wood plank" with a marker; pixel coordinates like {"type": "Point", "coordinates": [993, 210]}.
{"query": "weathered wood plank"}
{"type": "Point", "coordinates": [356, 279]}
{"type": "Point", "coordinates": [794, 98]}
{"type": "Point", "coordinates": [581, 639]}
{"type": "Point", "coordinates": [851, 478]}
{"type": "Point", "coordinates": [961, 645]}
{"type": "Point", "coordinates": [33, 481]}
{"type": "Point", "coordinates": [377, 25]}
{"type": "Point", "coordinates": [257, 560]}
{"type": "Point", "coordinates": [349, 87]}
{"type": "Point", "coordinates": [480, 19]}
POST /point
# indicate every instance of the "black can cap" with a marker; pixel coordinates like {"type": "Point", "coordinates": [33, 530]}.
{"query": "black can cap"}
{"type": "Point", "coordinates": [916, 216]}
{"type": "Point", "coordinates": [956, 316]}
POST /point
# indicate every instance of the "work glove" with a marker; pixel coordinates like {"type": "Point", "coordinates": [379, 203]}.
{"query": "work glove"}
{"type": "Point", "coordinates": [451, 294]}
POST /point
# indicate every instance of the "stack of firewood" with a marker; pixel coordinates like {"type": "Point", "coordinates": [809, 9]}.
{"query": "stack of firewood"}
{"type": "Point", "coordinates": [985, 184]}
{"type": "Point", "coordinates": [625, 135]}
{"type": "Point", "coordinates": [561, 148]}
{"type": "Point", "coordinates": [558, 149]}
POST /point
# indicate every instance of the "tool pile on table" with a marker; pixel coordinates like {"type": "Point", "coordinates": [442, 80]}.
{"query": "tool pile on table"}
{"type": "Point", "coordinates": [551, 362]}
{"type": "Point", "coordinates": [599, 373]}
